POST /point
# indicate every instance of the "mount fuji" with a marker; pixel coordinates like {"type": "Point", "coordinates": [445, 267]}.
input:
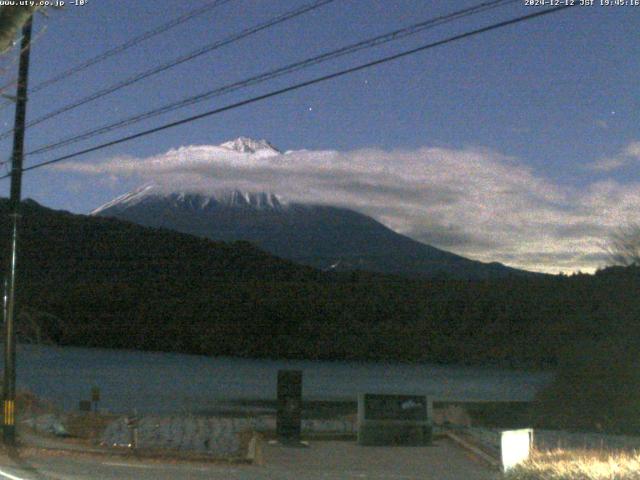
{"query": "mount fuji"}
{"type": "Point", "coordinates": [325, 237]}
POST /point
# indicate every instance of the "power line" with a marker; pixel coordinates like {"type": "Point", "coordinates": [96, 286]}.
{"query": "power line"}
{"type": "Point", "coordinates": [182, 59]}
{"type": "Point", "coordinates": [126, 45]}
{"type": "Point", "coordinates": [364, 44]}
{"type": "Point", "coordinates": [301, 85]}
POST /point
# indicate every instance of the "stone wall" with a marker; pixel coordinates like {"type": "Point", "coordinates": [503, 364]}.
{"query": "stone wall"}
{"type": "Point", "coordinates": [216, 436]}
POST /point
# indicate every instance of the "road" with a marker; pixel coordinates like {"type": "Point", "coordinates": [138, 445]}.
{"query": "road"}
{"type": "Point", "coordinates": [320, 460]}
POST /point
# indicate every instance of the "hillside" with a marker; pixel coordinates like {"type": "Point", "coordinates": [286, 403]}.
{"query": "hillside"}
{"type": "Point", "coordinates": [103, 282]}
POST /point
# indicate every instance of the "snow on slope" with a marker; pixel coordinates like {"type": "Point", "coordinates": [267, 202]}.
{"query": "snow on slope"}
{"type": "Point", "coordinates": [129, 198]}
{"type": "Point", "coordinates": [195, 201]}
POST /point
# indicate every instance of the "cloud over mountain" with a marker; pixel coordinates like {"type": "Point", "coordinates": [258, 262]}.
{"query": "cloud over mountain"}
{"type": "Point", "coordinates": [628, 155]}
{"type": "Point", "coordinates": [474, 202]}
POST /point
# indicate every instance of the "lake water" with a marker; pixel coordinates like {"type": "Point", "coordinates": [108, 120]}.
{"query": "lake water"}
{"type": "Point", "coordinates": [167, 383]}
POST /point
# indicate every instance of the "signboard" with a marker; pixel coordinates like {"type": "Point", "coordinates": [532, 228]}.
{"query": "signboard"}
{"type": "Point", "coordinates": [289, 417]}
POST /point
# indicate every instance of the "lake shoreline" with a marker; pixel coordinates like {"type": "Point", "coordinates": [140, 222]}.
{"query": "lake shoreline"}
{"type": "Point", "coordinates": [488, 366]}
{"type": "Point", "coordinates": [167, 383]}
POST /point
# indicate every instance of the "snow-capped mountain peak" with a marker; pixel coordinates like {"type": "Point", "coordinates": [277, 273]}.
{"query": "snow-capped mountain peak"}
{"type": "Point", "coordinates": [249, 145]}
{"type": "Point", "coordinates": [194, 198]}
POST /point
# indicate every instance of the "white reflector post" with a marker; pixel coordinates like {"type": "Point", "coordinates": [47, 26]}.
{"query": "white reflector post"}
{"type": "Point", "coordinates": [515, 447]}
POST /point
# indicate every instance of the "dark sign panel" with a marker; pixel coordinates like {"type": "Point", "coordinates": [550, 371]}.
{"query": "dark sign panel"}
{"type": "Point", "coordinates": [95, 394]}
{"type": "Point", "coordinates": [395, 407]}
{"type": "Point", "coordinates": [289, 419]}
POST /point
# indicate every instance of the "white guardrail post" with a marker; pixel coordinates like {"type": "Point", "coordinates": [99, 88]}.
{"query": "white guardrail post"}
{"type": "Point", "coordinates": [515, 447]}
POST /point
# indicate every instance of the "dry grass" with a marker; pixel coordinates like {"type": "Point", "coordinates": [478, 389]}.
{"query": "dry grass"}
{"type": "Point", "coordinates": [579, 465]}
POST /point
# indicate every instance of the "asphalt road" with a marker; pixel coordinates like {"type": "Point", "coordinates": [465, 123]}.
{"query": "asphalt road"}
{"type": "Point", "coordinates": [321, 460]}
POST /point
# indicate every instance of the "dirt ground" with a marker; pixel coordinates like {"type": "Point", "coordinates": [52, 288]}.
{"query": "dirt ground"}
{"type": "Point", "coordinates": [326, 460]}
{"type": "Point", "coordinates": [347, 460]}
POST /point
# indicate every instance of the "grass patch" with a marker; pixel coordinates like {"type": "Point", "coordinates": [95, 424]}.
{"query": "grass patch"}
{"type": "Point", "coordinates": [578, 465]}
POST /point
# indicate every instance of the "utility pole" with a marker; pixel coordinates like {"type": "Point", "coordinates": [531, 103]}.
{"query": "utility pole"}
{"type": "Point", "coordinates": [9, 384]}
